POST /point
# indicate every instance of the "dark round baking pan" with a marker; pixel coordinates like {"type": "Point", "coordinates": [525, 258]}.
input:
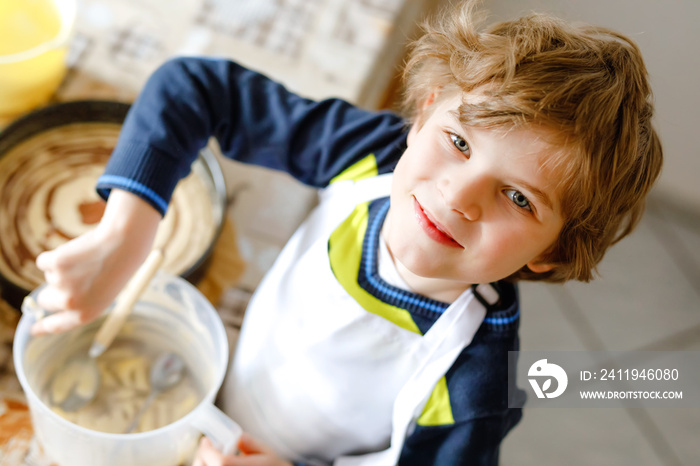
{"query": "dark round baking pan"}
{"type": "Point", "coordinates": [99, 111]}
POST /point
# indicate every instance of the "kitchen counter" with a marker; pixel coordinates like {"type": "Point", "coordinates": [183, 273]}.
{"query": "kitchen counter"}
{"type": "Point", "coordinates": [318, 48]}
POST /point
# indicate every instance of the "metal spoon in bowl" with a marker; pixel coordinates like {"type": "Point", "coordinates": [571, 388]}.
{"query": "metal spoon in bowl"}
{"type": "Point", "coordinates": [77, 383]}
{"type": "Point", "coordinates": [166, 372]}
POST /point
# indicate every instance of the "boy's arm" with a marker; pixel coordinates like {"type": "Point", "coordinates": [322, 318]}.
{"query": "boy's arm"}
{"type": "Point", "coordinates": [184, 103]}
{"type": "Point", "coordinates": [255, 120]}
{"type": "Point", "coordinates": [85, 274]}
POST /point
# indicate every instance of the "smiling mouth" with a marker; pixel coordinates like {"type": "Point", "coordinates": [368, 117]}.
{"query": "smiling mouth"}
{"type": "Point", "coordinates": [432, 229]}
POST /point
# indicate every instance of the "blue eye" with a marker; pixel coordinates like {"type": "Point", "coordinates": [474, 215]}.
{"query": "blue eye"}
{"type": "Point", "coordinates": [459, 143]}
{"type": "Point", "coordinates": [519, 199]}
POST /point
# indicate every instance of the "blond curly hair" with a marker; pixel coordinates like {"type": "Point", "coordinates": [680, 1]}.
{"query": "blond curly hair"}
{"type": "Point", "coordinates": [587, 85]}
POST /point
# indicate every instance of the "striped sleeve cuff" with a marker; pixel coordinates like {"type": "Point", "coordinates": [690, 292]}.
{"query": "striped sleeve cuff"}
{"type": "Point", "coordinates": [146, 172]}
{"type": "Point", "coordinates": [106, 182]}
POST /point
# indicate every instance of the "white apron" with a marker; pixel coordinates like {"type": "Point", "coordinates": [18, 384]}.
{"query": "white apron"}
{"type": "Point", "coordinates": [320, 379]}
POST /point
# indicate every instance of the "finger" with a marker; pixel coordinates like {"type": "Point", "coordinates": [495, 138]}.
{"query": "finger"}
{"type": "Point", "coordinates": [253, 460]}
{"type": "Point", "coordinates": [57, 323]}
{"type": "Point", "coordinates": [197, 459]}
{"type": "Point", "coordinates": [76, 251]}
{"type": "Point", "coordinates": [53, 278]}
{"type": "Point", "coordinates": [208, 455]}
{"type": "Point", "coordinates": [53, 298]}
{"type": "Point", "coordinates": [250, 445]}
{"type": "Point", "coordinates": [56, 298]}
{"type": "Point", "coordinates": [61, 279]}
{"type": "Point", "coordinates": [61, 269]}
{"type": "Point", "coordinates": [197, 456]}
{"type": "Point", "coordinates": [46, 261]}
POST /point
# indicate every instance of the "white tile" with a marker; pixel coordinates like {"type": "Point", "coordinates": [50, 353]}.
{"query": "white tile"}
{"type": "Point", "coordinates": [640, 297]}
{"type": "Point", "coordinates": [690, 239]}
{"type": "Point", "coordinates": [674, 211]}
{"type": "Point", "coordinates": [543, 325]}
{"type": "Point", "coordinates": [680, 232]}
{"type": "Point", "coordinates": [576, 437]}
{"type": "Point", "coordinates": [681, 425]}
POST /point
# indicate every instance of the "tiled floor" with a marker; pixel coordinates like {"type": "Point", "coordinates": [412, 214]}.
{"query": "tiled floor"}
{"type": "Point", "coordinates": [647, 297]}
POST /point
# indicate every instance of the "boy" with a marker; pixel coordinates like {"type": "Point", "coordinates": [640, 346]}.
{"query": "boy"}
{"type": "Point", "coordinates": [381, 334]}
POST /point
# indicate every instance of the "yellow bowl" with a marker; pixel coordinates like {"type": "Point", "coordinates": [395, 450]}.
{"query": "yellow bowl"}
{"type": "Point", "coordinates": [33, 57]}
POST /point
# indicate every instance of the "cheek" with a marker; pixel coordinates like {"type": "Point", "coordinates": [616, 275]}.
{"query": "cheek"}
{"type": "Point", "coordinates": [404, 173]}
{"type": "Point", "coordinates": [502, 238]}
{"type": "Point", "coordinates": [418, 163]}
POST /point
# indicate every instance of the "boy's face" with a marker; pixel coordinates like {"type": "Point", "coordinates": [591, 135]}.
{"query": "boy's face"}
{"type": "Point", "coordinates": [471, 205]}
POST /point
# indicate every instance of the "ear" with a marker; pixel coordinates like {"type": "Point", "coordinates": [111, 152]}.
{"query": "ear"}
{"type": "Point", "coordinates": [415, 127]}
{"type": "Point", "coordinates": [539, 267]}
{"type": "Point", "coordinates": [430, 100]}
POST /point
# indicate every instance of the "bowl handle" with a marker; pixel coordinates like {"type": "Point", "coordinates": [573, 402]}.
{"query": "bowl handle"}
{"type": "Point", "coordinates": [223, 431]}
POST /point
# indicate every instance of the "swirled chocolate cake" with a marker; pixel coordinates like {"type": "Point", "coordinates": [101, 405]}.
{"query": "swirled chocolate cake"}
{"type": "Point", "coordinates": [47, 197]}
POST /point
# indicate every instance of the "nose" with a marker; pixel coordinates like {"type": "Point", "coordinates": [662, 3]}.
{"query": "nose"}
{"type": "Point", "coordinates": [466, 193]}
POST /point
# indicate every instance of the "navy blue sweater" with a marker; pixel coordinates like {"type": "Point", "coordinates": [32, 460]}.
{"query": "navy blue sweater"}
{"type": "Point", "coordinates": [256, 120]}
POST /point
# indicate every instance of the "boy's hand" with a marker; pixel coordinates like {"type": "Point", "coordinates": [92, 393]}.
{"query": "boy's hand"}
{"type": "Point", "coordinates": [253, 453]}
{"type": "Point", "coordinates": [84, 275]}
